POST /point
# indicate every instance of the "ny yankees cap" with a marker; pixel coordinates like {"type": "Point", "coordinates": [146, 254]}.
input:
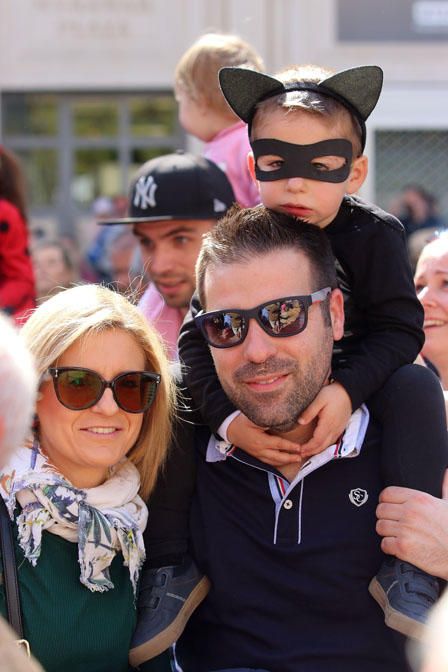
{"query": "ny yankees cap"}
{"type": "Point", "coordinates": [177, 186]}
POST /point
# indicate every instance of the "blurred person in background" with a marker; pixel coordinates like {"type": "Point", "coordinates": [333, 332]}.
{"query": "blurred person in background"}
{"type": "Point", "coordinates": [16, 411]}
{"type": "Point", "coordinates": [96, 257]}
{"type": "Point", "coordinates": [434, 652]}
{"type": "Point", "coordinates": [125, 264]}
{"type": "Point", "coordinates": [53, 268]}
{"type": "Point", "coordinates": [431, 284]}
{"type": "Point", "coordinates": [17, 397]}
{"type": "Point", "coordinates": [204, 112]}
{"type": "Point", "coordinates": [76, 493]}
{"type": "Point", "coordinates": [417, 209]}
{"type": "Point", "coordinates": [17, 290]}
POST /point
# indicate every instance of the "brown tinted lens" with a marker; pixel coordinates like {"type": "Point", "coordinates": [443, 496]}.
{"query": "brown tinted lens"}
{"type": "Point", "coordinates": [78, 389]}
{"type": "Point", "coordinates": [134, 392]}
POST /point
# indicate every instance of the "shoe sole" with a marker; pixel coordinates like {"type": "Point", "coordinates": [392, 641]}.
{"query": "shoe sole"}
{"type": "Point", "coordinates": [393, 618]}
{"type": "Point", "coordinates": [161, 642]}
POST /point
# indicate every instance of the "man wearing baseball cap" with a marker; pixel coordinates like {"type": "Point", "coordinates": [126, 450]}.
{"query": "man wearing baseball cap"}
{"type": "Point", "coordinates": [174, 200]}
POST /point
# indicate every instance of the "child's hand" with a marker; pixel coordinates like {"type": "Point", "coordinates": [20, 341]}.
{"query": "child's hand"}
{"type": "Point", "coordinates": [265, 447]}
{"type": "Point", "coordinates": [333, 408]}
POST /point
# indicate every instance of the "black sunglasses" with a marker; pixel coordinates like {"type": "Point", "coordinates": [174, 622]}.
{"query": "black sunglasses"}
{"type": "Point", "coordinates": [78, 388]}
{"type": "Point", "coordinates": [280, 318]}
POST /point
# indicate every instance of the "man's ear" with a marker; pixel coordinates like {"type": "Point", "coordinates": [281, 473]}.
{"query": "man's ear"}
{"type": "Point", "coordinates": [251, 166]}
{"type": "Point", "coordinates": [358, 174]}
{"type": "Point", "coordinates": [337, 314]}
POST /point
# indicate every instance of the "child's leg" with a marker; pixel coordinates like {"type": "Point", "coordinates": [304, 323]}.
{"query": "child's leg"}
{"type": "Point", "coordinates": [171, 585]}
{"type": "Point", "coordinates": [167, 532]}
{"type": "Point", "coordinates": [411, 410]}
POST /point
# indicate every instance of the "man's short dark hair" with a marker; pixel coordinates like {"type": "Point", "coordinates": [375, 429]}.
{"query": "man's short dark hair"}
{"type": "Point", "coordinates": [245, 233]}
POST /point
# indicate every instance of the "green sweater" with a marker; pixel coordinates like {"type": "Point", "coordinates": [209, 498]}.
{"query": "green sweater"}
{"type": "Point", "coordinates": [70, 628]}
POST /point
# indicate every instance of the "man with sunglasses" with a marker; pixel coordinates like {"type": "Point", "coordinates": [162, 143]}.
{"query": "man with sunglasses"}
{"type": "Point", "coordinates": [290, 550]}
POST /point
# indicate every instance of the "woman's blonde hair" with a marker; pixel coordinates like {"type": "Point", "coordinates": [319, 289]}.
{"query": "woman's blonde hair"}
{"type": "Point", "coordinates": [80, 311]}
{"type": "Point", "coordinates": [197, 71]}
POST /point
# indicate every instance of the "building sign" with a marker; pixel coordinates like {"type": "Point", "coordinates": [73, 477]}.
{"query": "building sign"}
{"type": "Point", "coordinates": [392, 20]}
{"type": "Point", "coordinates": [82, 43]}
{"type": "Point", "coordinates": [430, 15]}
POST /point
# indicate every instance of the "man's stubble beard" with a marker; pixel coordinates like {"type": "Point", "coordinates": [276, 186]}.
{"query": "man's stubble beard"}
{"type": "Point", "coordinates": [276, 411]}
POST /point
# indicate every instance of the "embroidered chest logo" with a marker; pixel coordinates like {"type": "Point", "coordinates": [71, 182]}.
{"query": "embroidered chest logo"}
{"type": "Point", "coordinates": [145, 191]}
{"type": "Point", "coordinates": [358, 496]}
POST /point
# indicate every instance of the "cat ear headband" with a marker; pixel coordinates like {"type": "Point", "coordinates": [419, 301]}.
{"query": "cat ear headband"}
{"type": "Point", "coordinates": [357, 89]}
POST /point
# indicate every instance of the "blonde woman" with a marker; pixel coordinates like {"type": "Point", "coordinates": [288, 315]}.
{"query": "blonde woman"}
{"type": "Point", "coordinates": [101, 431]}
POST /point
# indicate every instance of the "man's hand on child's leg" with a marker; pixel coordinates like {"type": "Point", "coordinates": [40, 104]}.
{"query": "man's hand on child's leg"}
{"type": "Point", "coordinates": [333, 409]}
{"type": "Point", "coordinates": [265, 447]}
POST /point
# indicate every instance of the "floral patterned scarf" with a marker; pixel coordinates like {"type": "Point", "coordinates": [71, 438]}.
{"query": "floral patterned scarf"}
{"type": "Point", "coordinates": [102, 521]}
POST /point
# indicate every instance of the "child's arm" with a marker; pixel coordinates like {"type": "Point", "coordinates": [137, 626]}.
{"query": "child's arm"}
{"type": "Point", "coordinates": [210, 399]}
{"type": "Point", "coordinates": [333, 409]}
{"type": "Point", "coordinates": [167, 534]}
{"type": "Point", "coordinates": [371, 251]}
{"type": "Point", "coordinates": [265, 447]}
{"type": "Point", "coordinates": [376, 279]}
{"type": "Point", "coordinates": [199, 373]}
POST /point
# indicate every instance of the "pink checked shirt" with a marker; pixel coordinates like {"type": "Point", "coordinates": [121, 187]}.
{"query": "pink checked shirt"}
{"type": "Point", "coordinates": [165, 319]}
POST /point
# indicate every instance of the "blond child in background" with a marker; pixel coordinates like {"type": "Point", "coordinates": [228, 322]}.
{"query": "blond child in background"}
{"type": "Point", "coordinates": [204, 112]}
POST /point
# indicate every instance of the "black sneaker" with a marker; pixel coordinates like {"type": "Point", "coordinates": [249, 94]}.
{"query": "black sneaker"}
{"type": "Point", "coordinates": [168, 596]}
{"type": "Point", "coordinates": [405, 594]}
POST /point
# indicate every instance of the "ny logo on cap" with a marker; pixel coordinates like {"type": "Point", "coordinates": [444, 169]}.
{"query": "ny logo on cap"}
{"type": "Point", "coordinates": [145, 190]}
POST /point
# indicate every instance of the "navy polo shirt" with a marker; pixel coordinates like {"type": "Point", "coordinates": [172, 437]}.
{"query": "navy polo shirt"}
{"type": "Point", "coordinates": [290, 563]}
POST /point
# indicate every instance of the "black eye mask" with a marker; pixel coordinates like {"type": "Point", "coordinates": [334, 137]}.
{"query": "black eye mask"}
{"type": "Point", "coordinates": [298, 159]}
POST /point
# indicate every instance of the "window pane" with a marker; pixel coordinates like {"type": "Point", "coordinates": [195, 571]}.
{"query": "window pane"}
{"type": "Point", "coordinates": [411, 157]}
{"type": "Point", "coordinates": [95, 118]}
{"type": "Point", "coordinates": [40, 167]}
{"type": "Point", "coordinates": [96, 173]}
{"type": "Point", "coordinates": [153, 116]}
{"type": "Point", "coordinates": [30, 114]}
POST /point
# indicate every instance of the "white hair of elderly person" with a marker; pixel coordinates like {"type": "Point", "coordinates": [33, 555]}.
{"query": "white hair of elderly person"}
{"type": "Point", "coordinates": [17, 396]}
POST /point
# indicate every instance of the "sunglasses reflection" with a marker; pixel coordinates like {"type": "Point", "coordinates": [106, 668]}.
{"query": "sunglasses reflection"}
{"type": "Point", "coordinates": [281, 315]}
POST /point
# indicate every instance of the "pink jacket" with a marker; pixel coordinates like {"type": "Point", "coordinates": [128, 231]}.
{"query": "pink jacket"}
{"type": "Point", "coordinates": [229, 149]}
{"type": "Point", "coordinates": [165, 319]}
